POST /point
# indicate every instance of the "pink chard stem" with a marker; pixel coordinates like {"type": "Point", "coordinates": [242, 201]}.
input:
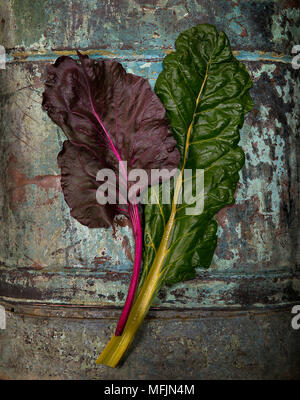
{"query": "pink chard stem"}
{"type": "Point", "coordinates": [136, 225]}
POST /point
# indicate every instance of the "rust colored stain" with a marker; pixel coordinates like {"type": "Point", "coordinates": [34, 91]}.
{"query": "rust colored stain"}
{"type": "Point", "coordinates": [17, 181]}
{"type": "Point", "coordinates": [127, 248]}
{"type": "Point", "coordinates": [221, 217]}
{"type": "Point", "coordinates": [291, 4]}
{"type": "Point", "coordinates": [122, 221]}
{"type": "Point", "coordinates": [4, 376]}
{"type": "Point", "coordinates": [36, 264]}
{"type": "Point", "coordinates": [100, 261]}
{"type": "Point", "coordinates": [244, 32]}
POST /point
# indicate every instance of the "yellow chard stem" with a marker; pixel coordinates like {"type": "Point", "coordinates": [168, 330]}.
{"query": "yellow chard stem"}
{"type": "Point", "coordinates": [117, 345]}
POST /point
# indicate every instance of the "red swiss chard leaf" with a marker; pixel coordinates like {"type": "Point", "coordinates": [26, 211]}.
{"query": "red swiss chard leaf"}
{"type": "Point", "coordinates": [93, 100]}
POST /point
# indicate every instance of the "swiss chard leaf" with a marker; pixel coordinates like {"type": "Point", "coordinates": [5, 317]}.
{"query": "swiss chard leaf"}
{"type": "Point", "coordinates": [205, 91]}
{"type": "Point", "coordinates": [206, 94]}
{"type": "Point", "coordinates": [108, 115]}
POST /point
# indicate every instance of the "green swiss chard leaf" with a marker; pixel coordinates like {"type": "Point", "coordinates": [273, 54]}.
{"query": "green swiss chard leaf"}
{"type": "Point", "coordinates": [205, 91]}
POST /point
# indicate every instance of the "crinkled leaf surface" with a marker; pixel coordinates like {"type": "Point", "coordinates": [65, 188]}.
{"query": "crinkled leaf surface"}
{"type": "Point", "coordinates": [205, 91]}
{"type": "Point", "coordinates": [79, 168]}
{"type": "Point", "coordinates": [86, 99]}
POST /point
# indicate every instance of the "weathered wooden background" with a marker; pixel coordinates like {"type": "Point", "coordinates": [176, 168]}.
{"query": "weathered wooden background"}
{"type": "Point", "coordinates": [63, 285]}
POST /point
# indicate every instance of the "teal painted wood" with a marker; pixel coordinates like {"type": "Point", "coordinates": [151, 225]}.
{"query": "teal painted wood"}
{"type": "Point", "coordinates": [266, 25]}
{"type": "Point", "coordinates": [47, 257]}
